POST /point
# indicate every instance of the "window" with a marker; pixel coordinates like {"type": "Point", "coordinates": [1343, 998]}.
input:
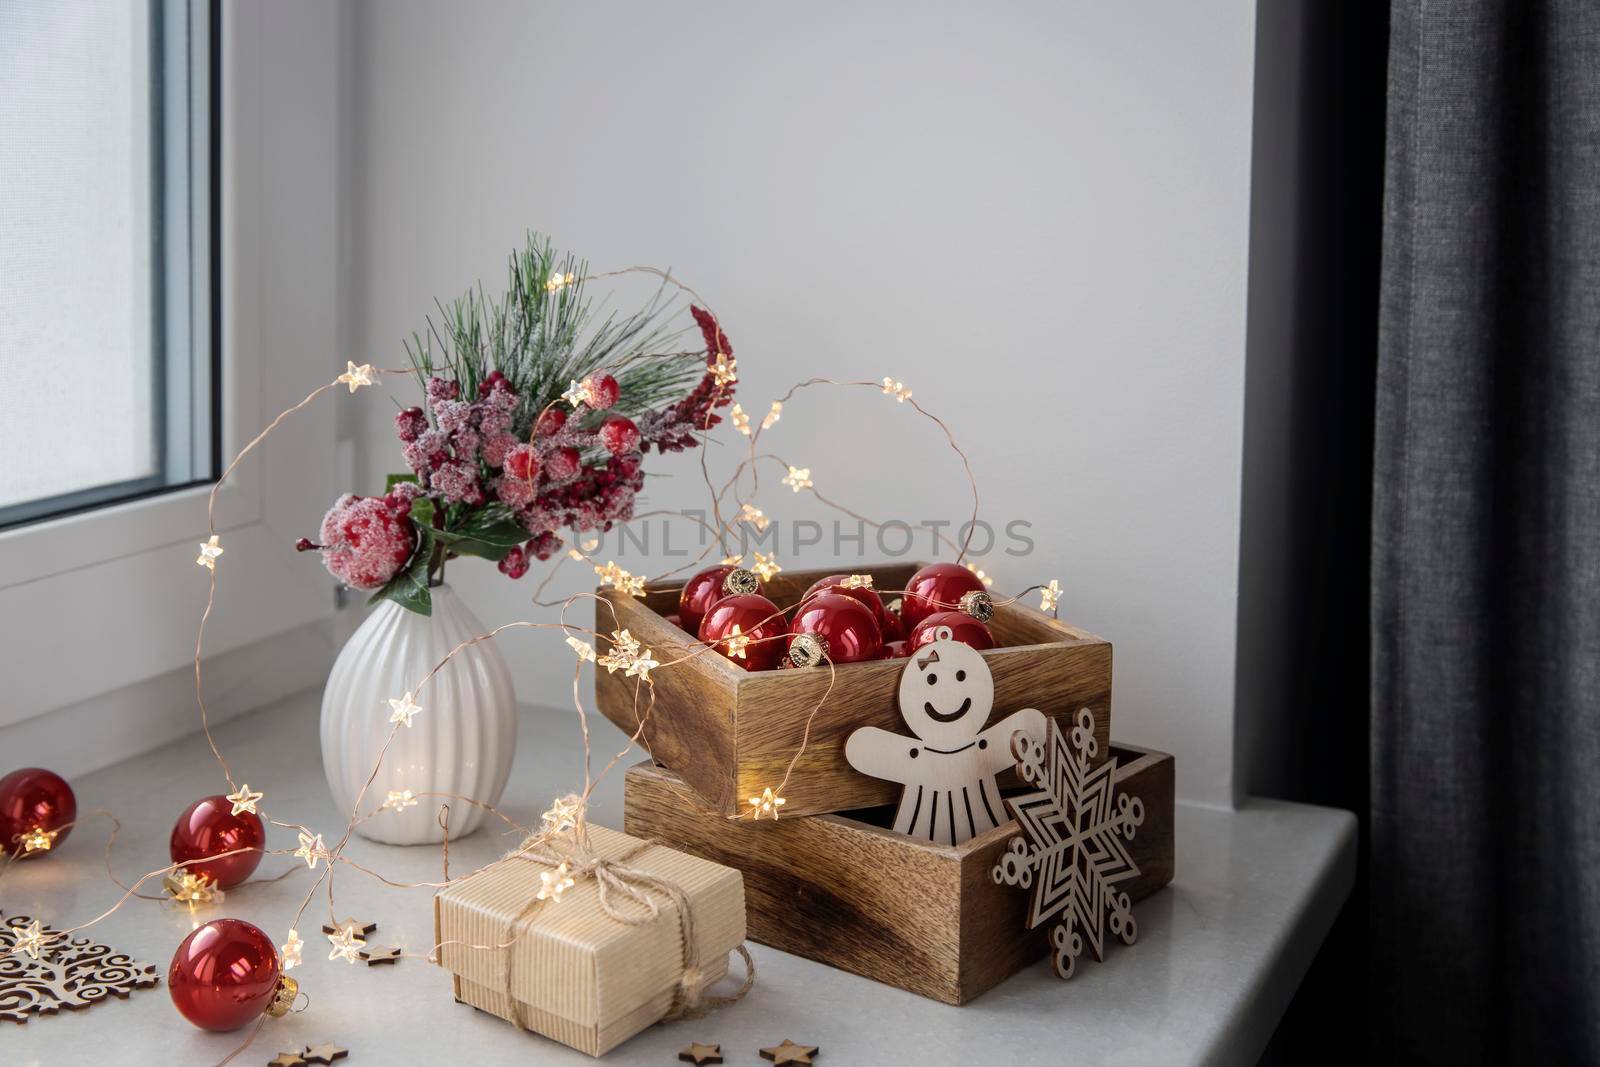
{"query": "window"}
{"type": "Point", "coordinates": [107, 252]}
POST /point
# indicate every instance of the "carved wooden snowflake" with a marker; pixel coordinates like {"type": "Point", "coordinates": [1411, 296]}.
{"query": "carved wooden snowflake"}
{"type": "Point", "coordinates": [69, 973]}
{"type": "Point", "coordinates": [1072, 843]}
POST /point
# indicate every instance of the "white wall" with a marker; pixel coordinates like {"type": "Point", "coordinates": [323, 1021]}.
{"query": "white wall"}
{"type": "Point", "coordinates": [1034, 214]}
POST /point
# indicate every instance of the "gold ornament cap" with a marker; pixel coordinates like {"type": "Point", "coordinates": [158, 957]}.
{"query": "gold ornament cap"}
{"type": "Point", "coordinates": [978, 604]}
{"type": "Point", "coordinates": [283, 996]}
{"type": "Point", "coordinates": [807, 650]}
{"type": "Point", "coordinates": [740, 581]}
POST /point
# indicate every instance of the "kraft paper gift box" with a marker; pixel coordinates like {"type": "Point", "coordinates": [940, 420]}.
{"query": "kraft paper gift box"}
{"type": "Point", "coordinates": [577, 974]}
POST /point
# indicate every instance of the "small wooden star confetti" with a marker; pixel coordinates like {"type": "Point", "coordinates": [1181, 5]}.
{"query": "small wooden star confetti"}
{"type": "Point", "coordinates": [400, 800]}
{"type": "Point", "coordinates": [287, 1059]}
{"type": "Point", "coordinates": [741, 420]}
{"type": "Point", "coordinates": [798, 478]}
{"type": "Point", "coordinates": [725, 371]}
{"type": "Point", "coordinates": [754, 516]}
{"type": "Point", "coordinates": [349, 922]}
{"type": "Point", "coordinates": [30, 939]}
{"type": "Point", "coordinates": [325, 1053]}
{"type": "Point", "coordinates": [737, 643]}
{"type": "Point", "coordinates": [1050, 596]}
{"type": "Point", "coordinates": [311, 849]}
{"type": "Point", "coordinates": [208, 554]}
{"type": "Point", "coordinates": [403, 710]}
{"type": "Point", "coordinates": [697, 1053]}
{"type": "Point", "coordinates": [767, 803]}
{"type": "Point", "coordinates": [355, 377]}
{"type": "Point", "coordinates": [577, 393]}
{"type": "Point", "coordinates": [289, 951]}
{"type": "Point", "coordinates": [243, 799]}
{"type": "Point", "coordinates": [377, 954]}
{"type": "Point", "coordinates": [789, 1052]}
{"type": "Point", "coordinates": [563, 814]}
{"type": "Point", "coordinates": [554, 883]}
{"type": "Point", "coordinates": [896, 389]}
{"type": "Point", "coordinates": [765, 566]}
{"type": "Point", "coordinates": [346, 944]}
{"type": "Point", "coordinates": [37, 840]}
{"type": "Point", "coordinates": [772, 416]}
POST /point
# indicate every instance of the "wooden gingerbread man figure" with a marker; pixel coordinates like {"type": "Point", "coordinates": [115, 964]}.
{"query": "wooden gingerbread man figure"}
{"type": "Point", "coordinates": [949, 767]}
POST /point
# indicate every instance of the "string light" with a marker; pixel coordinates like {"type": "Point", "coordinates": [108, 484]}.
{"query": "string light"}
{"type": "Point", "coordinates": [773, 416]}
{"type": "Point", "coordinates": [403, 710]}
{"type": "Point", "coordinates": [37, 840]}
{"type": "Point", "coordinates": [554, 883]}
{"type": "Point", "coordinates": [30, 939]}
{"type": "Point", "coordinates": [290, 951]}
{"type": "Point", "coordinates": [208, 554]}
{"type": "Point", "coordinates": [737, 643]}
{"type": "Point", "coordinates": [243, 799]}
{"type": "Point", "coordinates": [355, 377]}
{"type": "Point", "coordinates": [577, 394]}
{"type": "Point", "coordinates": [754, 516]}
{"type": "Point", "coordinates": [189, 888]}
{"type": "Point", "coordinates": [798, 478]}
{"type": "Point", "coordinates": [620, 580]}
{"type": "Point", "coordinates": [559, 281]}
{"type": "Point", "coordinates": [741, 420]}
{"type": "Point", "coordinates": [583, 648]}
{"type": "Point", "coordinates": [563, 814]}
{"type": "Point", "coordinates": [574, 555]}
{"type": "Point", "coordinates": [347, 944]}
{"type": "Point", "coordinates": [1050, 596]}
{"type": "Point", "coordinates": [896, 389]}
{"type": "Point", "coordinates": [399, 800]}
{"type": "Point", "coordinates": [311, 849]}
{"type": "Point", "coordinates": [725, 371]}
{"type": "Point", "coordinates": [765, 566]}
{"type": "Point", "coordinates": [857, 581]}
{"type": "Point", "coordinates": [767, 803]}
{"type": "Point", "coordinates": [625, 656]}
{"type": "Point", "coordinates": [642, 665]}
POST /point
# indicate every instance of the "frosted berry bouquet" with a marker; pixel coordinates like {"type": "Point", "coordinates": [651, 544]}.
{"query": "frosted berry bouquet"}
{"type": "Point", "coordinates": [538, 415]}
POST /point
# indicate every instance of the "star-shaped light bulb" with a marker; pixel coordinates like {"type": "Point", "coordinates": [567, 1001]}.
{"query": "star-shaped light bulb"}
{"type": "Point", "coordinates": [725, 370]}
{"type": "Point", "coordinates": [577, 394]}
{"type": "Point", "coordinates": [754, 516]}
{"type": "Point", "coordinates": [311, 849]}
{"type": "Point", "coordinates": [896, 389]}
{"type": "Point", "coordinates": [982, 577]}
{"type": "Point", "coordinates": [289, 951]}
{"type": "Point", "coordinates": [30, 939]}
{"type": "Point", "coordinates": [583, 648]}
{"type": "Point", "coordinates": [559, 281]}
{"type": "Point", "coordinates": [37, 840]}
{"type": "Point", "coordinates": [798, 478]}
{"type": "Point", "coordinates": [189, 888]}
{"type": "Point", "coordinates": [766, 566]}
{"type": "Point", "coordinates": [741, 420]}
{"type": "Point", "coordinates": [857, 581]}
{"type": "Point", "coordinates": [733, 561]}
{"type": "Point", "coordinates": [208, 554]}
{"type": "Point", "coordinates": [563, 814]}
{"type": "Point", "coordinates": [355, 377]}
{"type": "Point", "coordinates": [554, 883]}
{"type": "Point", "coordinates": [642, 665]}
{"type": "Point", "coordinates": [400, 800]}
{"type": "Point", "coordinates": [773, 416]}
{"type": "Point", "coordinates": [243, 799]}
{"type": "Point", "coordinates": [347, 944]}
{"type": "Point", "coordinates": [403, 710]}
{"type": "Point", "coordinates": [737, 643]}
{"type": "Point", "coordinates": [1050, 596]}
{"type": "Point", "coordinates": [767, 803]}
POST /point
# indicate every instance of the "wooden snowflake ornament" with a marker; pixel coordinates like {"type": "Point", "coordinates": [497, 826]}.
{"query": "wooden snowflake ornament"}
{"type": "Point", "coordinates": [1072, 851]}
{"type": "Point", "coordinates": [66, 973]}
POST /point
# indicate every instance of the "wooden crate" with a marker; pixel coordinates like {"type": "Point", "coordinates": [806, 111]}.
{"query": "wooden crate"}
{"type": "Point", "coordinates": [731, 732]}
{"type": "Point", "coordinates": [848, 892]}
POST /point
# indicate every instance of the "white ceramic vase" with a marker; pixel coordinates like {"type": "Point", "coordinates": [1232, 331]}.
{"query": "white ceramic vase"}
{"type": "Point", "coordinates": [461, 742]}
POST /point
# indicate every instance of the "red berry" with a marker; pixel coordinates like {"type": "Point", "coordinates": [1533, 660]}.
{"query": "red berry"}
{"type": "Point", "coordinates": [561, 463]}
{"type": "Point", "coordinates": [619, 435]}
{"type": "Point", "coordinates": [550, 422]}
{"type": "Point", "coordinates": [409, 424]}
{"type": "Point", "coordinates": [545, 545]}
{"type": "Point", "coordinates": [603, 391]}
{"type": "Point", "coordinates": [514, 564]}
{"type": "Point", "coordinates": [522, 462]}
{"type": "Point", "coordinates": [493, 379]}
{"type": "Point", "coordinates": [365, 540]}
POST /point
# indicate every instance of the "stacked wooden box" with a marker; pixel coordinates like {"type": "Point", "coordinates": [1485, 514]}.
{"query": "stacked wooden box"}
{"type": "Point", "coordinates": [829, 880]}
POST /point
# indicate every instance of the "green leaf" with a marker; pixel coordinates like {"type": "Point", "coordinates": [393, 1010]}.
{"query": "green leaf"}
{"type": "Point", "coordinates": [422, 513]}
{"type": "Point", "coordinates": [488, 532]}
{"type": "Point", "coordinates": [409, 587]}
{"type": "Point", "coordinates": [395, 479]}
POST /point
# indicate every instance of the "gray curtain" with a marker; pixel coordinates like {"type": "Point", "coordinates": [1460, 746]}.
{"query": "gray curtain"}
{"type": "Point", "coordinates": [1485, 847]}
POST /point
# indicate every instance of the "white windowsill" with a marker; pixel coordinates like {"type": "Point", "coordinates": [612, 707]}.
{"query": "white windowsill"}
{"type": "Point", "coordinates": [1220, 951]}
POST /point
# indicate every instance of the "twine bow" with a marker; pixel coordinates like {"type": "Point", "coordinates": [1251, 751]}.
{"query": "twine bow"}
{"type": "Point", "coordinates": [624, 897]}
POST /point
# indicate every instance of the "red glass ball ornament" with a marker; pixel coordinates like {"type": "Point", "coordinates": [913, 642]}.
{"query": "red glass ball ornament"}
{"type": "Point", "coordinates": [699, 593]}
{"type": "Point", "coordinates": [936, 587]}
{"type": "Point", "coordinates": [208, 828]}
{"type": "Point", "coordinates": [849, 632]}
{"type": "Point", "coordinates": [34, 799]}
{"type": "Point", "coordinates": [895, 650]}
{"type": "Point", "coordinates": [224, 974]}
{"type": "Point", "coordinates": [963, 628]}
{"type": "Point", "coordinates": [870, 600]}
{"type": "Point", "coordinates": [758, 619]}
{"type": "Point", "coordinates": [894, 629]}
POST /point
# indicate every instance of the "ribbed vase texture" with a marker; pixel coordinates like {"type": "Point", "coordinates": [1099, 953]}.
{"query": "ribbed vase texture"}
{"type": "Point", "coordinates": [462, 741]}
